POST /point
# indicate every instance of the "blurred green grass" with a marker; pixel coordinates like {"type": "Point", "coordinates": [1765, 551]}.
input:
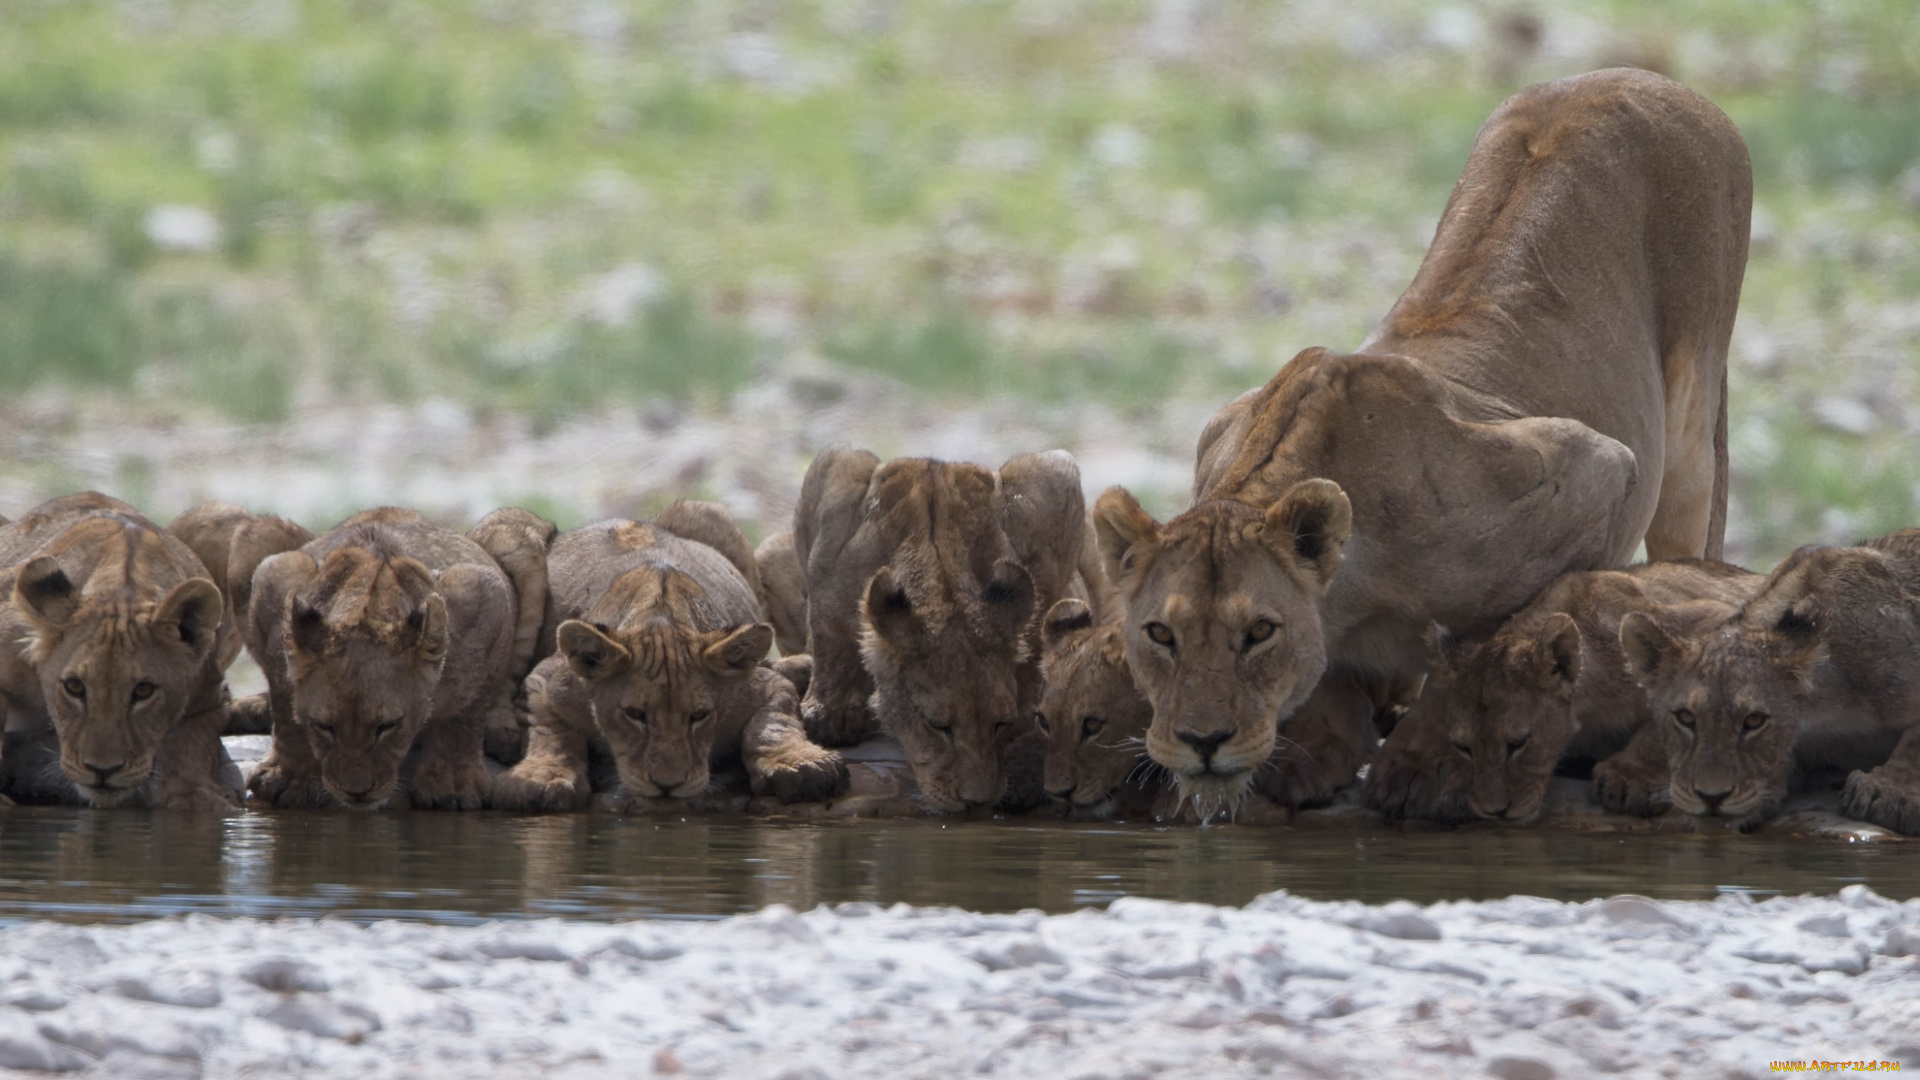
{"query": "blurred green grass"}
{"type": "Point", "coordinates": [1050, 200]}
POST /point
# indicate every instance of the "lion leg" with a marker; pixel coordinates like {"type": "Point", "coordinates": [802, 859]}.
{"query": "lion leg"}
{"type": "Point", "coordinates": [781, 761]}
{"type": "Point", "coordinates": [1321, 746]}
{"type": "Point", "coordinates": [289, 777]}
{"type": "Point", "coordinates": [1889, 795]}
{"type": "Point", "coordinates": [553, 775]}
{"type": "Point", "coordinates": [190, 761]}
{"type": "Point", "coordinates": [835, 711]}
{"type": "Point", "coordinates": [1636, 780]}
{"type": "Point", "coordinates": [1414, 774]}
{"type": "Point", "coordinates": [452, 774]}
{"type": "Point", "coordinates": [1689, 520]}
{"type": "Point", "coordinates": [250, 715]}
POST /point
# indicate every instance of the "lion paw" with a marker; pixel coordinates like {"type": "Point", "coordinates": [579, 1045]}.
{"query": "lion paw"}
{"type": "Point", "coordinates": [816, 778]}
{"type": "Point", "coordinates": [1626, 787]}
{"type": "Point", "coordinates": [1298, 782]}
{"type": "Point", "coordinates": [839, 723]}
{"type": "Point", "coordinates": [538, 791]}
{"type": "Point", "coordinates": [278, 786]}
{"type": "Point", "coordinates": [1891, 802]}
{"type": "Point", "coordinates": [456, 787]}
{"type": "Point", "coordinates": [1405, 787]}
{"type": "Point", "coordinates": [200, 798]}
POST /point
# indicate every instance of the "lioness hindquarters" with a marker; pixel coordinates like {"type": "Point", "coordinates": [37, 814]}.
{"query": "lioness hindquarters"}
{"type": "Point", "coordinates": [659, 657]}
{"type": "Point", "coordinates": [384, 634]}
{"type": "Point", "coordinates": [938, 572]}
{"type": "Point", "coordinates": [1816, 672]}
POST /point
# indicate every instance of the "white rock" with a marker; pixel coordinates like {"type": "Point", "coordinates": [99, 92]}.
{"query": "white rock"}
{"type": "Point", "coordinates": [183, 229]}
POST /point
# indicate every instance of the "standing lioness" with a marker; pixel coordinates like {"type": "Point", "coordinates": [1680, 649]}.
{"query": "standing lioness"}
{"type": "Point", "coordinates": [1548, 392]}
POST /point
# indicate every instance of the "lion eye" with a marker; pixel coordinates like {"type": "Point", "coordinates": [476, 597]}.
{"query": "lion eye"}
{"type": "Point", "coordinates": [1160, 635]}
{"type": "Point", "coordinates": [1755, 721]}
{"type": "Point", "coordinates": [1040, 721]}
{"type": "Point", "coordinates": [143, 690]}
{"type": "Point", "coordinates": [1684, 718]}
{"type": "Point", "coordinates": [325, 730]}
{"type": "Point", "coordinates": [945, 727]}
{"type": "Point", "coordinates": [1465, 750]}
{"type": "Point", "coordinates": [386, 728]}
{"type": "Point", "coordinates": [1516, 745]}
{"type": "Point", "coordinates": [1261, 630]}
{"type": "Point", "coordinates": [635, 714]}
{"type": "Point", "coordinates": [1090, 726]}
{"type": "Point", "coordinates": [696, 716]}
{"type": "Point", "coordinates": [75, 689]}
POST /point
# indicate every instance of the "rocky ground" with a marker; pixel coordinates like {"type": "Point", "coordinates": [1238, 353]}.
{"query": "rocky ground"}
{"type": "Point", "coordinates": [1521, 989]}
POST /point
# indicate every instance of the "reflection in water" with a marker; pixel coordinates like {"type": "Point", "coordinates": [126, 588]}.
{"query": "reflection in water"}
{"type": "Point", "coordinates": [84, 865]}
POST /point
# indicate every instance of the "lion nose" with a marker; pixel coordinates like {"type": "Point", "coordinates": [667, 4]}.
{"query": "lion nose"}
{"type": "Point", "coordinates": [1712, 799]}
{"type": "Point", "coordinates": [1205, 744]}
{"type": "Point", "coordinates": [104, 773]}
{"type": "Point", "coordinates": [666, 786]}
{"type": "Point", "coordinates": [1062, 793]}
{"type": "Point", "coordinates": [358, 794]}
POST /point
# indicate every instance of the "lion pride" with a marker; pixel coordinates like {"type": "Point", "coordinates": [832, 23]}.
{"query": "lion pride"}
{"type": "Point", "coordinates": [1549, 392]}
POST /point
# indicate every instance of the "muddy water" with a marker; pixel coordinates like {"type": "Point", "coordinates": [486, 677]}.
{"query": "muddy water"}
{"type": "Point", "coordinates": [91, 866]}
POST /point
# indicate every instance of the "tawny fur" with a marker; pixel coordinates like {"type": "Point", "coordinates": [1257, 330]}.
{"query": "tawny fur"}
{"type": "Point", "coordinates": [658, 662]}
{"type": "Point", "coordinates": [1817, 672]}
{"type": "Point", "coordinates": [1550, 688]}
{"type": "Point", "coordinates": [925, 583]}
{"type": "Point", "coordinates": [1549, 391]}
{"type": "Point", "coordinates": [112, 633]}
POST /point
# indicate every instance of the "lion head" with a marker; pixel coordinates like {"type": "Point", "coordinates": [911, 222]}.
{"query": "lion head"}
{"type": "Point", "coordinates": [118, 669]}
{"type": "Point", "coordinates": [1223, 629]}
{"type": "Point", "coordinates": [656, 678]}
{"type": "Point", "coordinates": [367, 636]}
{"type": "Point", "coordinates": [1509, 713]}
{"type": "Point", "coordinates": [1092, 715]}
{"type": "Point", "coordinates": [1728, 703]}
{"type": "Point", "coordinates": [948, 654]}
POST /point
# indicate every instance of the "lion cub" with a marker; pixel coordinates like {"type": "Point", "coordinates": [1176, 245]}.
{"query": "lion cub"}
{"type": "Point", "coordinates": [659, 645]}
{"type": "Point", "coordinates": [925, 581]}
{"type": "Point", "coordinates": [1093, 717]}
{"type": "Point", "coordinates": [1551, 687]}
{"type": "Point", "coordinates": [388, 643]}
{"type": "Point", "coordinates": [113, 632]}
{"type": "Point", "coordinates": [1819, 671]}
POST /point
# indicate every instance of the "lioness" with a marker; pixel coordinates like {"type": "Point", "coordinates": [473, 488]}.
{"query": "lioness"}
{"type": "Point", "coordinates": [387, 643]}
{"type": "Point", "coordinates": [1548, 391]}
{"type": "Point", "coordinates": [1551, 687]}
{"type": "Point", "coordinates": [1093, 717]}
{"type": "Point", "coordinates": [659, 656]}
{"type": "Point", "coordinates": [1820, 670]}
{"type": "Point", "coordinates": [925, 582]}
{"type": "Point", "coordinates": [111, 631]}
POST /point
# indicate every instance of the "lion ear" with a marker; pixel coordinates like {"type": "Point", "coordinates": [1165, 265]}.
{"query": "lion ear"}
{"type": "Point", "coordinates": [1008, 596]}
{"type": "Point", "coordinates": [45, 593]}
{"type": "Point", "coordinates": [1558, 652]}
{"type": "Point", "coordinates": [738, 651]}
{"type": "Point", "coordinates": [1128, 536]}
{"type": "Point", "coordinates": [1067, 621]}
{"type": "Point", "coordinates": [1308, 526]}
{"type": "Point", "coordinates": [1648, 646]}
{"type": "Point", "coordinates": [193, 609]}
{"type": "Point", "coordinates": [589, 651]}
{"type": "Point", "coordinates": [426, 630]}
{"type": "Point", "coordinates": [306, 628]}
{"type": "Point", "coordinates": [888, 610]}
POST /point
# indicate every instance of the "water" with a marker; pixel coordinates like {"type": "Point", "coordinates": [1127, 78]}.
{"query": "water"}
{"type": "Point", "coordinates": [89, 866]}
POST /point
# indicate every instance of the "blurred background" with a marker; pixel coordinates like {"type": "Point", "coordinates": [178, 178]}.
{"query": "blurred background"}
{"type": "Point", "coordinates": [586, 256]}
